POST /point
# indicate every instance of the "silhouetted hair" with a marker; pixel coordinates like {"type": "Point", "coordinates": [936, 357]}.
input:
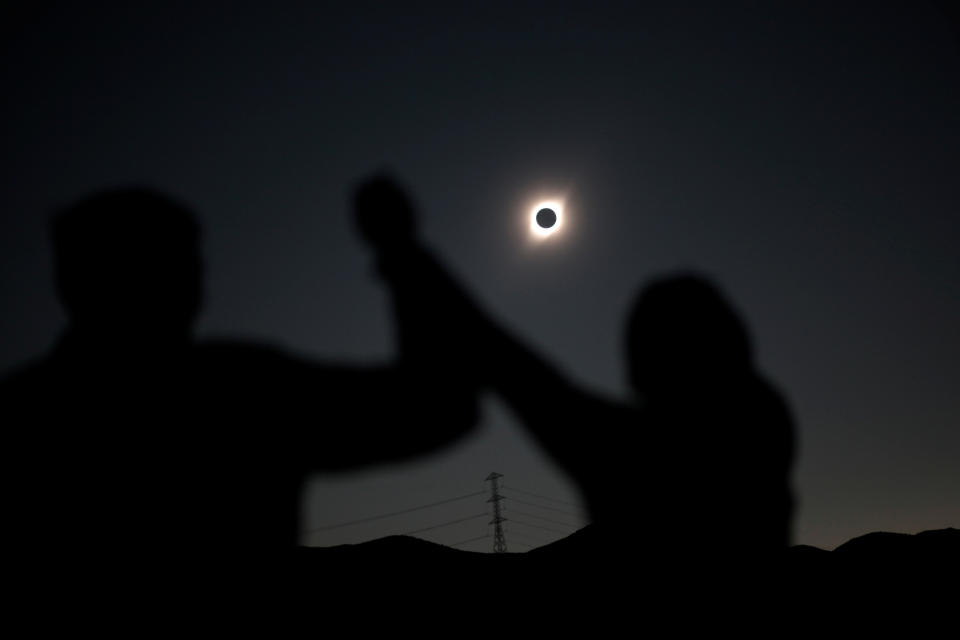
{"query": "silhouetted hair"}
{"type": "Point", "coordinates": [128, 256]}
{"type": "Point", "coordinates": [682, 331]}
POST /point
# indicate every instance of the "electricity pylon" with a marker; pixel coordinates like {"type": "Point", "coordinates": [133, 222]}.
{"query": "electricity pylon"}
{"type": "Point", "coordinates": [499, 542]}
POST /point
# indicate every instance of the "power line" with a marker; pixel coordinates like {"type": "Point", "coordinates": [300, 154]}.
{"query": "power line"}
{"type": "Point", "coordinates": [537, 495]}
{"type": "Point", "coordinates": [389, 515]}
{"type": "Point", "coordinates": [529, 537]}
{"type": "Point", "coordinates": [524, 513]}
{"type": "Point", "coordinates": [527, 524]}
{"type": "Point", "coordinates": [457, 544]}
{"type": "Point", "coordinates": [445, 524]}
{"type": "Point", "coordinates": [540, 506]}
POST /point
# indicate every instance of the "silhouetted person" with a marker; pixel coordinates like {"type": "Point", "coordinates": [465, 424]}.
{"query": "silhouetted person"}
{"type": "Point", "coordinates": [692, 471]}
{"type": "Point", "coordinates": [134, 444]}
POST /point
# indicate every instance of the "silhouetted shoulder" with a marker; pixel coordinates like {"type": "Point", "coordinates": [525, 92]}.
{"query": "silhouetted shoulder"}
{"type": "Point", "coordinates": [774, 415]}
{"type": "Point", "coordinates": [263, 357]}
{"type": "Point", "coordinates": [226, 352]}
{"type": "Point", "coordinates": [269, 367]}
{"type": "Point", "coordinates": [285, 375]}
{"type": "Point", "coordinates": [29, 378]}
{"type": "Point", "coordinates": [338, 416]}
{"type": "Point", "coordinates": [268, 378]}
{"type": "Point", "coordinates": [769, 393]}
{"type": "Point", "coordinates": [23, 375]}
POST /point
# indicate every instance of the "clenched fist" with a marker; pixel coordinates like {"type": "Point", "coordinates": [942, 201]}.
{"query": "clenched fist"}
{"type": "Point", "coordinates": [384, 213]}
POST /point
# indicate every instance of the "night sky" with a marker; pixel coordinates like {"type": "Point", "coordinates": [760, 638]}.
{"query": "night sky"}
{"type": "Point", "coordinates": [804, 154]}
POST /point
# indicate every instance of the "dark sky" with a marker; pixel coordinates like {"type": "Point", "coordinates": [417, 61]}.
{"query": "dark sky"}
{"type": "Point", "coordinates": [803, 153]}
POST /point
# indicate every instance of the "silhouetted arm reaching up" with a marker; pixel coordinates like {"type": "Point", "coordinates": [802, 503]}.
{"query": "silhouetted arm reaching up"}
{"type": "Point", "coordinates": [445, 327]}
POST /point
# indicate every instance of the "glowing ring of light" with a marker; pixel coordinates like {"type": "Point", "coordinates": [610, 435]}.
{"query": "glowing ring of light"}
{"type": "Point", "coordinates": [542, 232]}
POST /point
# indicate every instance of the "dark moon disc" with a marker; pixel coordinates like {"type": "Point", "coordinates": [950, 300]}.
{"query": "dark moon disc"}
{"type": "Point", "coordinates": [546, 218]}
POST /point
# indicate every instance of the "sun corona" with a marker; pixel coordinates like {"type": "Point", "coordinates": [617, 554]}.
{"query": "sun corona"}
{"type": "Point", "coordinates": [546, 218]}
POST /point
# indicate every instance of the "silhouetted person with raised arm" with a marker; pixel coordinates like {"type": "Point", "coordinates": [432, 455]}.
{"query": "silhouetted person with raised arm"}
{"type": "Point", "coordinates": [135, 444]}
{"type": "Point", "coordinates": [693, 471]}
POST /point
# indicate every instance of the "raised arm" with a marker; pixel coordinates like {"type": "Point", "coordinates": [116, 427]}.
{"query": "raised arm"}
{"type": "Point", "coordinates": [438, 316]}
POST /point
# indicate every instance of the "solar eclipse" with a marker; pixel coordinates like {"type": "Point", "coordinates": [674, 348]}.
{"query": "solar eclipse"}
{"type": "Point", "coordinates": [546, 219]}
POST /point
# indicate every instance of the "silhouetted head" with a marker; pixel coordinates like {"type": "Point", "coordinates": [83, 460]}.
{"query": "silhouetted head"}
{"type": "Point", "coordinates": [683, 334]}
{"type": "Point", "coordinates": [128, 263]}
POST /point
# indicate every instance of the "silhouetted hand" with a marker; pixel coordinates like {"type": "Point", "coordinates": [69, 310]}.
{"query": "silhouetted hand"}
{"type": "Point", "coordinates": [384, 214]}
